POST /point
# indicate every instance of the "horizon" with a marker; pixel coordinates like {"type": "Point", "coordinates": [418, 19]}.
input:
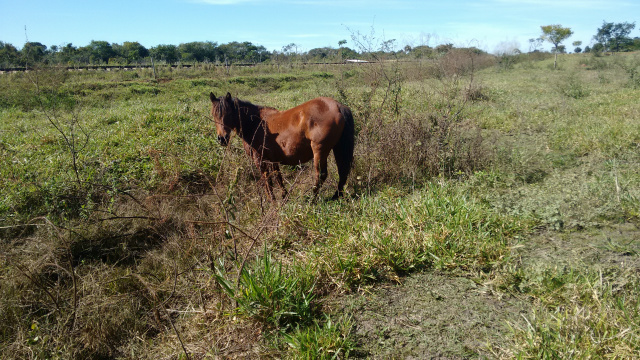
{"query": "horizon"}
{"type": "Point", "coordinates": [491, 25]}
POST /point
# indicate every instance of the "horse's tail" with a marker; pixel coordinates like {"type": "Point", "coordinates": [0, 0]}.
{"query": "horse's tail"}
{"type": "Point", "coordinates": [343, 151]}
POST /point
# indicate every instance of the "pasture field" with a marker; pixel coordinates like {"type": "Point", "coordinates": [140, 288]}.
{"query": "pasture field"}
{"type": "Point", "coordinates": [492, 212]}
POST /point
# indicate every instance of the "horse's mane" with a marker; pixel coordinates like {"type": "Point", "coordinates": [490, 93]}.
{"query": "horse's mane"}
{"type": "Point", "coordinates": [237, 104]}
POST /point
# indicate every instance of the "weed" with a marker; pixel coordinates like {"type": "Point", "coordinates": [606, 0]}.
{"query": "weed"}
{"type": "Point", "coordinates": [573, 87]}
{"type": "Point", "coordinates": [322, 340]}
{"type": "Point", "coordinates": [274, 295]}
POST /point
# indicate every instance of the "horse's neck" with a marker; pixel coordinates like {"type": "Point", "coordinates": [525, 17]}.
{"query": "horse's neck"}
{"type": "Point", "coordinates": [252, 129]}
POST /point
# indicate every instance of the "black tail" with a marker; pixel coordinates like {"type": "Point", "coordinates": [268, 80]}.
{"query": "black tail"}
{"type": "Point", "coordinates": [343, 151]}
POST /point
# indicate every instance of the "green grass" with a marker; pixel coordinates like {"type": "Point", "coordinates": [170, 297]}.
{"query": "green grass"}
{"type": "Point", "coordinates": [270, 293]}
{"type": "Point", "coordinates": [437, 226]}
{"type": "Point", "coordinates": [140, 249]}
{"type": "Point", "coordinates": [323, 340]}
{"type": "Point", "coordinates": [581, 313]}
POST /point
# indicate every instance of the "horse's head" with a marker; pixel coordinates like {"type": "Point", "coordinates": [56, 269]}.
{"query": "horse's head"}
{"type": "Point", "coordinates": [224, 114]}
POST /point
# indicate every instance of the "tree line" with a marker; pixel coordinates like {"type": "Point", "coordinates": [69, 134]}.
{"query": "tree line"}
{"type": "Point", "coordinates": [127, 53]}
{"type": "Point", "coordinates": [103, 53]}
{"type": "Point", "coordinates": [610, 37]}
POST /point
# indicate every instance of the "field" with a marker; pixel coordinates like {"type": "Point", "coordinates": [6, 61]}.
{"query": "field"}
{"type": "Point", "coordinates": [492, 212]}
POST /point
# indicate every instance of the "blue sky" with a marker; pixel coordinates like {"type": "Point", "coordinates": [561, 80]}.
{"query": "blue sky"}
{"type": "Point", "coordinates": [488, 24]}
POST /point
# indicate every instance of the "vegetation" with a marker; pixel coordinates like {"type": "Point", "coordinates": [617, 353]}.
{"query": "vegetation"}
{"type": "Point", "coordinates": [127, 231]}
{"type": "Point", "coordinates": [615, 36]}
{"type": "Point", "coordinates": [555, 34]}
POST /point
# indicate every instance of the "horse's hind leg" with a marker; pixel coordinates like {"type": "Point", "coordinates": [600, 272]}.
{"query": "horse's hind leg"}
{"type": "Point", "coordinates": [344, 168]}
{"type": "Point", "coordinates": [320, 164]}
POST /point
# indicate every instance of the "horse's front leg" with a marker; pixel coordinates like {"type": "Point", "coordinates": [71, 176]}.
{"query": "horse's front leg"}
{"type": "Point", "coordinates": [278, 175]}
{"type": "Point", "coordinates": [266, 169]}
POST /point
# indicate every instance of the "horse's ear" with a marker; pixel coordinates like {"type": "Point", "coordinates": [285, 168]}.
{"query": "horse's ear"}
{"type": "Point", "coordinates": [212, 97]}
{"type": "Point", "coordinates": [228, 97]}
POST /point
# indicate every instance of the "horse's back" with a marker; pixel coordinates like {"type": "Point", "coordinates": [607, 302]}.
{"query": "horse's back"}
{"type": "Point", "coordinates": [315, 123]}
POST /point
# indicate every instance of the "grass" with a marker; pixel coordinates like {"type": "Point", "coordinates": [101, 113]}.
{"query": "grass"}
{"type": "Point", "coordinates": [273, 295]}
{"type": "Point", "coordinates": [581, 312]}
{"type": "Point", "coordinates": [158, 242]}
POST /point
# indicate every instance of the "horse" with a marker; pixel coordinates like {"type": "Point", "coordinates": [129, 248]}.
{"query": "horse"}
{"type": "Point", "coordinates": [290, 137]}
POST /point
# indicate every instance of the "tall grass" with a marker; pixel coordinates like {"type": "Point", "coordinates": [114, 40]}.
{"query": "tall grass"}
{"type": "Point", "coordinates": [437, 226]}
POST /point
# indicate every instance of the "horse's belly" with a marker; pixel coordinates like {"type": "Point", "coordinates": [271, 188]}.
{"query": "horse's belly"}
{"type": "Point", "coordinates": [295, 152]}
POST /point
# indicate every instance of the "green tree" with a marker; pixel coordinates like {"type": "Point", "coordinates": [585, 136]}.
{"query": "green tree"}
{"type": "Point", "coordinates": [9, 55]}
{"type": "Point", "coordinates": [100, 51]}
{"type": "Point", "coordinates": [134, 51]}
{"type": "Point", "coordinates": [199, 51]}
{"type": "Point", "coordinates": [168, 53]}
{"type": "Point", "coordinates": [68, 53]}
{"type": "Point", "coordinates": [33, 52]}
{"type": "Point", "coordinates": [243, 52]}
{"type": "Point", "coordinates": [614, 37]}
{"type": "Point", "coordinates": [320, 53]}
{"type": "Point", "coordinates": [422, 51]}
{"type": "Point", "coordinates": [555, 34]}
{"type": "Point", "coordinates": [577, 45]}
{"type": "Point", "coordinates": [341, 43]}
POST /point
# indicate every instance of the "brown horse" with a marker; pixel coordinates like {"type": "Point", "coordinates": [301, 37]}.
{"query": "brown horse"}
{"type": "Point", "coordinates": [290, 137]}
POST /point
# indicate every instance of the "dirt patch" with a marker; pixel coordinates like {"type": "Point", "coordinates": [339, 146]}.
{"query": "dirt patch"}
{"type": "Point", "coordinates": [605, 246]}
{"type": "Point", "coordinates": [431, 316]}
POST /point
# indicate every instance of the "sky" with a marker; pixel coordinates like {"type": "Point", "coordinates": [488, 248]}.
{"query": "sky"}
{"type": "Point", "coordinates": [491, 25]}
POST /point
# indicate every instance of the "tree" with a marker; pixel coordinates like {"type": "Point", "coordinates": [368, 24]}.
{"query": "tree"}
{"type": "Point", "coordinates": [33, 52]}
{"type": "Point", "coordinates": [134, 51]}
{"type": "Point", "coordinates": [597, 49]}
{"type": "Point", "coordinates": [341, 43]}
{"type": "Point", "coordinates": [168, 53]}
{"type": "Point", "coordinates": [535, 44]}
{"type": "Point", "coordinates": [614, 36]}
{"type": "Point", "coordinates": [9, 55]}
{"type": "Point", "coordinates": [68, 53]}
{"type": "Point", "coordinates": [444, 48]}
{"type": "Point", "coordinates": [555, 34]}
{"type": "Point", "coordinates": [99, 50]}
{"type": "Point", "coordinates": [199, 51]}
{"type": "Point", "coordinates": [289, 49]}
{"type": "Point", "coordinates": [421, 51]}
{"type": "Point", "coordinates": [577, 45]}
{"type": "Point", "coordinates": [320, 53]}
{"type": "Point", "coordinates": [243, 52]}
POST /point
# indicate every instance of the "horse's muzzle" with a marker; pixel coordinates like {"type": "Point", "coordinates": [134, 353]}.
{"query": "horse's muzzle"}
{"type": "Point", "coordinates": [224, 140]}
